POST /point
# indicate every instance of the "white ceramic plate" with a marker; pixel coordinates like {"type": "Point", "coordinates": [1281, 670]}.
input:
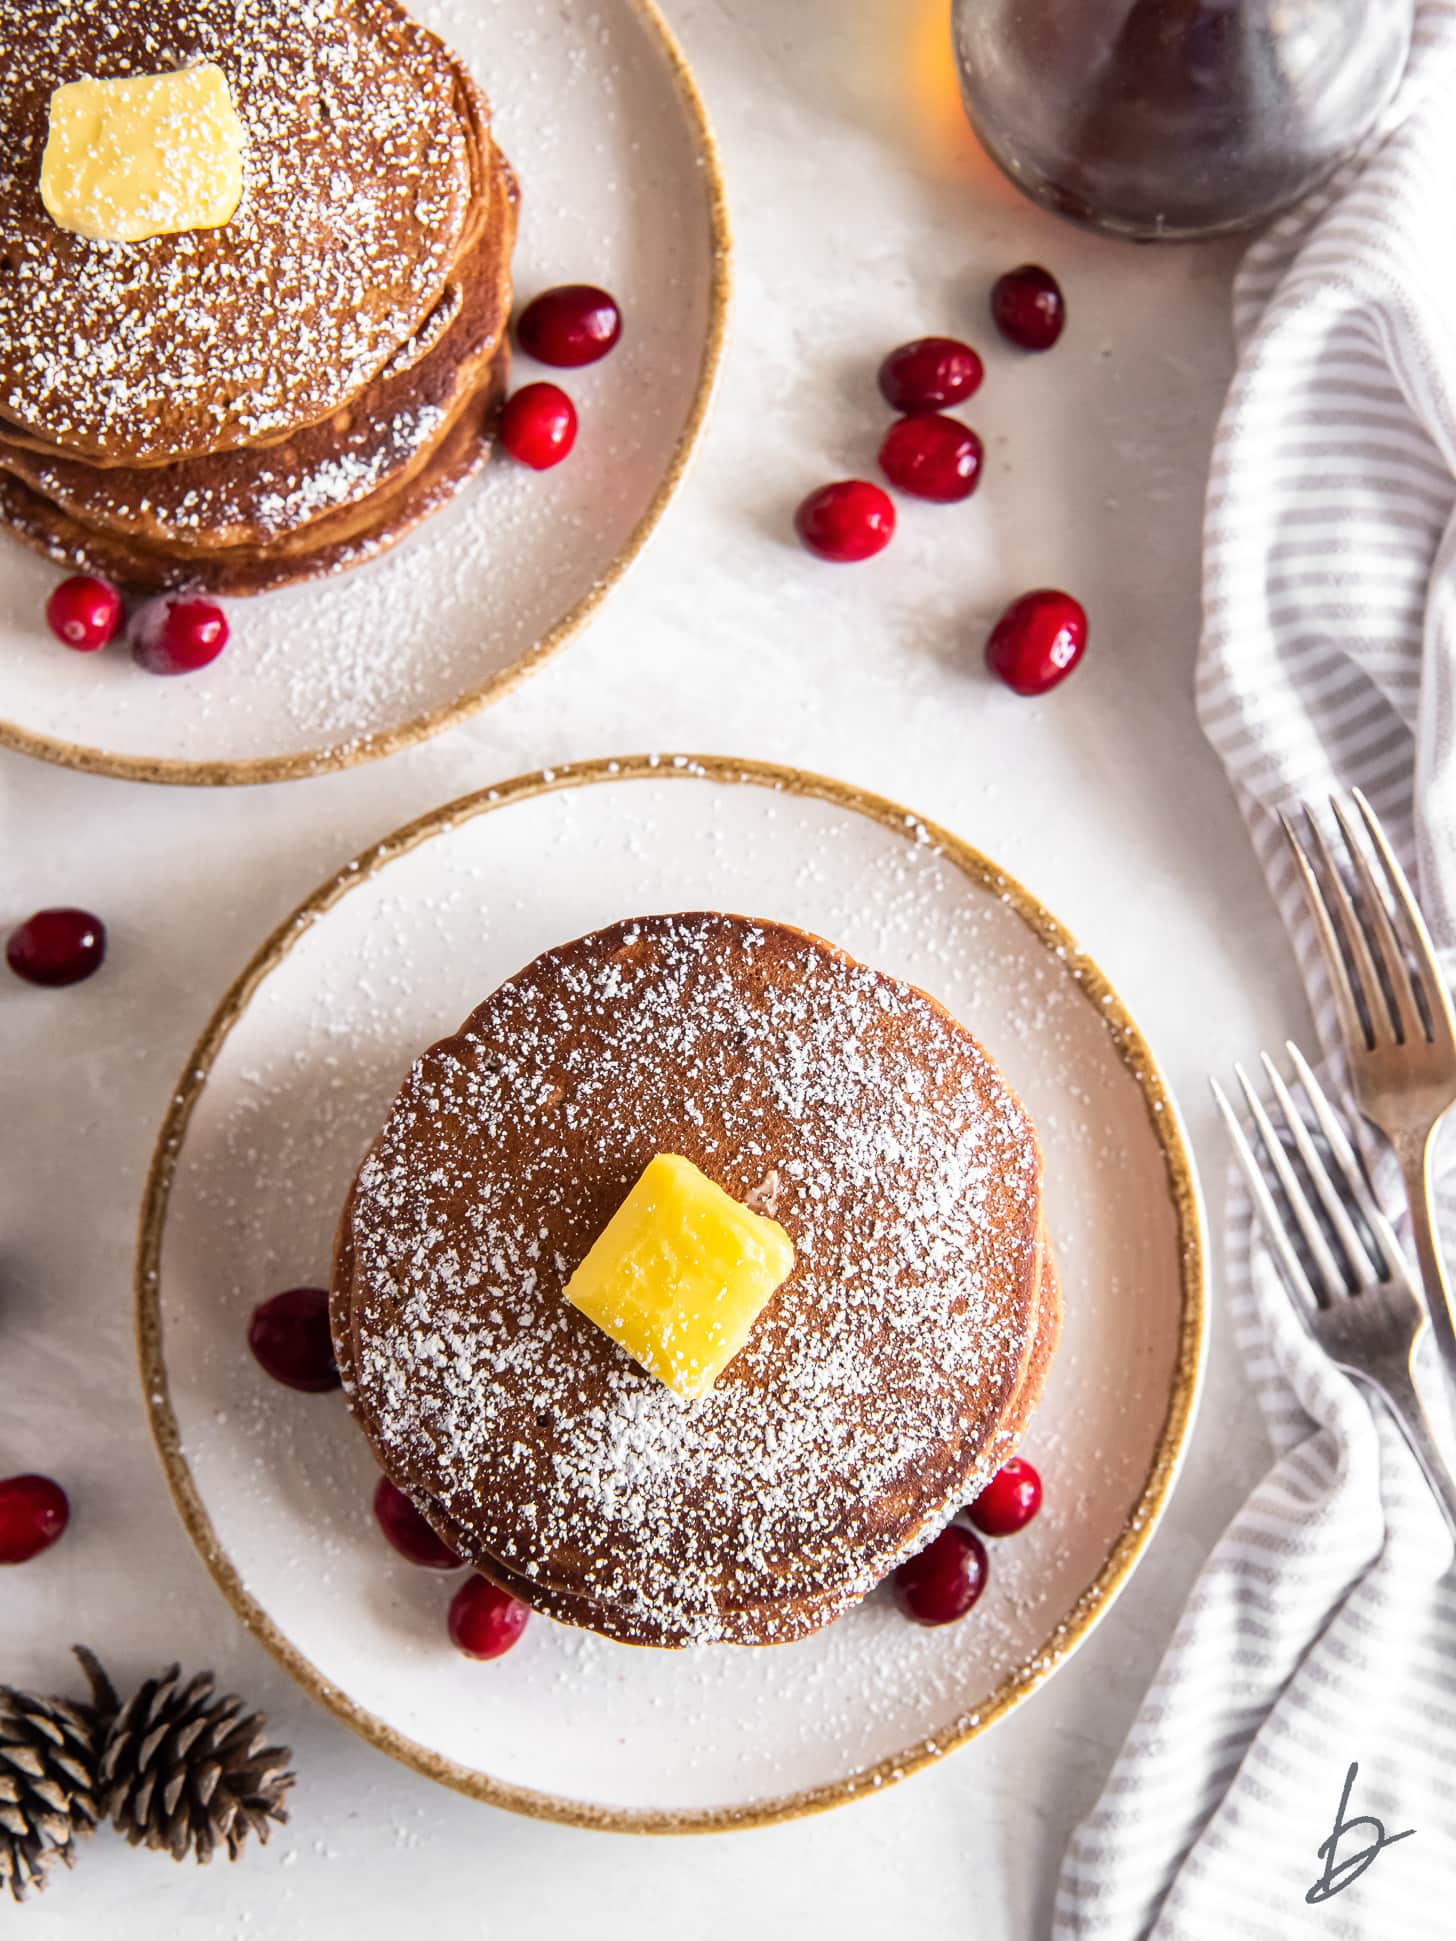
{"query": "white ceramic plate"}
{"type": "Point", "coordinates": [620, 186]}
{"type": "Point", "coordinates": [294, 1078]}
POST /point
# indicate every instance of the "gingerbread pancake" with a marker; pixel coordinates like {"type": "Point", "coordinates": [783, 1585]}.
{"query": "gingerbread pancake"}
{"type": "Point", "coordinates": [262, 496]}
{"type": "Point", "coordinates": [366, 166]}
{"type": "Point", "coordinates": [328, 545]}
{"type": "Point", "coordinates": [792, 1617]}
{"type": "Point", "coordinates": [875, 1386]}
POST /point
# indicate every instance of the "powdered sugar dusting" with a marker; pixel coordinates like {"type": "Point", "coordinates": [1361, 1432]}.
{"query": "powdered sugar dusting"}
{"type": "Point", "coordinates": [357, 193]}
{"type": "Point", "coordinates": [267, 497]}
{"type": "Point", "coordinates": [870, 1389]}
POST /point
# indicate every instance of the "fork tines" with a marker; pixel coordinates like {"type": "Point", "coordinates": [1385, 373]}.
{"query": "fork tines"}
{"type": "Point", "coordinates": [1388, 994]}
{"type": "Point", "coordinates": [1325, 1225]}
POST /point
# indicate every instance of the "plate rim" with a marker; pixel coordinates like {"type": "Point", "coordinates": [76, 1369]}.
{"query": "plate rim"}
{"type": "Point", "coordinates": [349, 751]}
{"type": "Point", "coordinates": [1164, 1122]}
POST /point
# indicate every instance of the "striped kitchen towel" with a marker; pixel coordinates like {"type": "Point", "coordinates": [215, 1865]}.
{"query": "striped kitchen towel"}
{"type": "Point", "coordinates": [1311, 1684]}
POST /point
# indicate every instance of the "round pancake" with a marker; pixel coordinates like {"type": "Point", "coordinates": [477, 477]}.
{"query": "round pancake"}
{"type": "Point", "coordinates": [201, 507]}
{"type": "Point", "coordinates": [849, 1106]}
{"type": "Point", "coordinates": [330, 545]}
{"type": "Point", "coordinates": [363, 176]}
{"type": "Point", "coordinates": [257, 496]}
{"type": "Point", "coordinates": [792, 1618]}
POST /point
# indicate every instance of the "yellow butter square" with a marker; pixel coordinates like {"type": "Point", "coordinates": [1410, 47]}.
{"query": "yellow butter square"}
{"type": "Point", "coordinates": [143, 155]}
{"type": "Point", "coordinates": [680, 1274]}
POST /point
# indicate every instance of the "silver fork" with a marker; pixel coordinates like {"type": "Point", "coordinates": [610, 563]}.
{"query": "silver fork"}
{"type": "Point", "coordinates": [1395, 1018]}
{"type": "Point", "coordinates": [1346, 1274]}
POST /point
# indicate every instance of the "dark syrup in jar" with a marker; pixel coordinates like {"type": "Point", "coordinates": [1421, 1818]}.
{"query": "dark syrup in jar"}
{"type": "Point", "coordinates": [1175, 119]}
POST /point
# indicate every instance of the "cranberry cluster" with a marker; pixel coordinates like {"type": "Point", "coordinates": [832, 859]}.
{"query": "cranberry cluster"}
{"type": "Point", "coordinates": [572, 325]}
{"type": "Point", "coordinates": [945, 1580]}
{"type": "Point", "coordinates": [929, 454]}
{"type": "Point", "coordinates": [175, 633]}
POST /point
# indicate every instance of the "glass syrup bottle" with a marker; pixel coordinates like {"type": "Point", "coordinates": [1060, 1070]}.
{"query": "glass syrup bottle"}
{"type": "Point", "coordinates": [1168, 120]}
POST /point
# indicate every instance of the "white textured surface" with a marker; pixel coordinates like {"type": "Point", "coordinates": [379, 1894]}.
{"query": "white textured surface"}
{"type": "Point", "coordinates": [856, 227]}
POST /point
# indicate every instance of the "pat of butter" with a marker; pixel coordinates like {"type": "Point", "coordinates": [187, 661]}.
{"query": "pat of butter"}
{"type": "Point", "coordinates": [144, 155]}
{"type": "Point", "coordinates": [680, 1274]}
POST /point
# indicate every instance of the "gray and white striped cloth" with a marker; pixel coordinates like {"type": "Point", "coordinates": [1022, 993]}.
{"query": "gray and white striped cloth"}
{"type": "Point", "coordinates": [1322, 1631]}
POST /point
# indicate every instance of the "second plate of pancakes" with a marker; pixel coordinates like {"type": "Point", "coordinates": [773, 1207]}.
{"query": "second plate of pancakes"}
{"type": "Point", "coordinates": [602, 127]}
{"type": "Point", "coordinates": [290, 1084]}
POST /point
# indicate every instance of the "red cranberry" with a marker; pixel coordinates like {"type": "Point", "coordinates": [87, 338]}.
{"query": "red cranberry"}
{"type": "Point", "coordinates": [408, 1531]}
{"type": "Point", "coordinates": [848, 521]}
{"type": "Point", "coordinates": [1037, 641]}
{"type": "Point", "coordinates": [56, 947]}
{"type": "Point", "coordinates": [176, 634]}
{"type": "Point", "coordinates": [1029, 307]}
{"type": "Point", "coordinates": [485, 1621]}
{"type": "Point", "coordinates": [290, 1340]}
{"type": "Point", "coordinates": [1009, 1501]}
{"type": "Point", "coordinates": [576, 323]}
{"type": "Point", "coordinates": [84, 613]}
{"type": "Point", "coordinates": [538, 426]}
{"type": "Point", "coordinates": [944, 1581]}
{"type": "Point", "coordinates": [34, 1512]}
{"type": "Point", "coordinates": [933, 457]}
{"type": "Point", "coordinates": [930, 374]}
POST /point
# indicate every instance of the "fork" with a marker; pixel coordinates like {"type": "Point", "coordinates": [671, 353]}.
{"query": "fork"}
{"type": "Point", "coordinates": [1395, 1019]}
{"type": "Point", "coordinates": [1349, 1281]}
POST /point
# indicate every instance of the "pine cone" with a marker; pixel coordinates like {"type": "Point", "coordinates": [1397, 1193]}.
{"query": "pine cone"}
{"type": "Point", "coordinates": [48, 1777]}
{"type": "Point", "coordinates": [180, 1768]}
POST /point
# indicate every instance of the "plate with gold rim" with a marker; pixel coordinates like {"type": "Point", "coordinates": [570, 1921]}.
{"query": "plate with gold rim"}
{"type": "Point", "coordinates": [620, 184]}
{"type": "Point", "coordinates": [293, 1077]}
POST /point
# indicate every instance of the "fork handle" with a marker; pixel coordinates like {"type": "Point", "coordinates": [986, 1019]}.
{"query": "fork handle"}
{"type": "Point", "coordinates": [1414, 1154]}
{"type": "Point", "coordinates": [1407, 1411]}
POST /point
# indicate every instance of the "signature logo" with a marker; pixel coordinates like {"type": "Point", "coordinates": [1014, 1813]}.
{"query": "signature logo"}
{"type": "Point", "coordinates": [1339, 1874]}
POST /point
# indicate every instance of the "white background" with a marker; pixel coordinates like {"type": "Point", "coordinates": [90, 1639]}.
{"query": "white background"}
{"type": "Point", "coordinates": [862, 217]}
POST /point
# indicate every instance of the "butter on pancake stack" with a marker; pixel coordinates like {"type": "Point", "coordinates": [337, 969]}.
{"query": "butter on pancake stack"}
{"type": "Point", "coordinates": [237, 407]}
{"type": "Point", "coordinates": [886, 1380]}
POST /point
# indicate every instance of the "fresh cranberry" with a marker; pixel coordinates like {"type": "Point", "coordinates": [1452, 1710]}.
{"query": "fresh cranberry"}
{"type": "Point", "coordinates": [1037, 641]}
{"type": "Point", "coordinates": [1009, 1501]}
{"type": "Point", "coordinates": [944, 1581]}
{"type": "Point", "coordinates": [485, 1621]}
{"type": "Point", "coordinates": [56, 947]}
{"type": "Point", "coordinates": [290, 1340]}
{"type": "Point", "coordinates": [848, 521]}
{"type": "Point", "coordinates": [576, 323]}
{"type": "Point", "coordinates": [1029, 307]}
{"type": "Point", "coordinates": [408, 1531]}
{"type": "Point", "coordinates": [929, 374]}
{"type": "Point", "coordinates": [933, 457]}
{"type": "Point", "coordinates": [34, 1512]}
{"type": "Point", "coordinates": [177, 634]}
{"type": "Point", "coordinates": [538, 426]}
{"type": "Point", "coordinates": [84, 613]}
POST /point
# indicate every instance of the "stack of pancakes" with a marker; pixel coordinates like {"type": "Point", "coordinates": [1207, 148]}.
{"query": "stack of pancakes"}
{"type": "Point", "coordinates": [236, 408]}
{"type": "Point", "coordinates": [882, 1385]}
